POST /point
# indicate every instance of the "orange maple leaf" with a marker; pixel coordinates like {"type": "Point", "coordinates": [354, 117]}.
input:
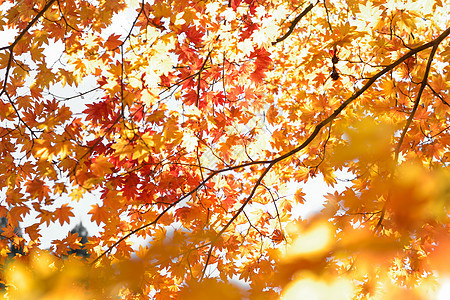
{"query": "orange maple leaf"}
{"type": "Point", "coordinates": [18, 212]}
{"type": "Point", "coordinates": [33, 232]}
{"type": "Point", "coordinates": [46, 216]}
{"type": "Point", "coordinates": [63, 214]}
{"type": "Point", "coordinates": [37, 189]}
{"type": "Point", "coordinates": [101, 166]}
{"type": "Point", "coordinates": [113, 42]}
{"type": "Point", "coordinates": [299, 196]}
{"type": "Point", "coordinates": [99, 214]}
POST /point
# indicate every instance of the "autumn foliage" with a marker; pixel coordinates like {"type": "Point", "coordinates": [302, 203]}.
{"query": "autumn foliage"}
{"type": "Point", "coordinates": [195, 123]}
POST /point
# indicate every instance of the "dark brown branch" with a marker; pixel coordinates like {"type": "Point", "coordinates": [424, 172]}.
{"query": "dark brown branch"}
{"type": "Point", "coordinates": [360, 92]}
{"type": "Point", "coordinates": [239, 211]}
{"type": "Point", "coordinates": [322, 157]}
{"type": "Point", "coordinates": [319, 126]}
{"type": "Point", "coordinates": [40, 14]}
{"type": "Point", "coordinates": [276, 207]}
{"type": "Point", "coordinates": [65, 20]}
{"type": "Point", "coordinates": [60, 98]}
{"type": "Point", "coordinates": [18, 38]}
{"type": "Point", "coordinates": [438, 95]}
{"type": "Point", "coordinates": [328, 15]}
{"type": "Point", "coordinates": [19, 117]}
{"type": "Point", "coordinates": [200, 76]}
{"type": "Point", "coordinates": [294, 23]}
{"type": "Point", "coordinates": [435, 45]}
{"type": "Point", "coordinates": [284, 156]}
{"type": "Point", "coordinates": [122, 104]}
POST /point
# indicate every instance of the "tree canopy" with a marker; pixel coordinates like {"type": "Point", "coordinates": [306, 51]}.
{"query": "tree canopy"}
{"type": "Point", "coordinates": [196, 122]}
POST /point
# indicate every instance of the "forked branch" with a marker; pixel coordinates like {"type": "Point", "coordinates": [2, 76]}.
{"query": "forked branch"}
{"type": "Point", "coordinates": [282, 157]}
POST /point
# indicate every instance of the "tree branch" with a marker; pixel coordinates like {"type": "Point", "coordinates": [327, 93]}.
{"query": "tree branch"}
{"type": "Point", "coordinates": [281, 157]}
{"type": "Point", "coordinates": [19, 37]}
{"type": "Point", "coordinates": [294, 23]}
{"type": "Point", "coordinates": [435, 45]}
{"type": "Point", "coordinates": [319, 126]}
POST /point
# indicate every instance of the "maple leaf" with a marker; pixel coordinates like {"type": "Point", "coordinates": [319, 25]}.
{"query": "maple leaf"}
{"type": "Point", "coordinates": [98, 112]}
{"type": "Point", "coordinates": [8, 232]}
{"type": "Point", "coordinates": [46, 216]}
{"type": "Point", "coordinates": [277, 236]}
{"type": "Point", "coordinates": [113, 42]}
{"type": "Point", "coordinates": [3, 211]}
{"type": "Point", "coordinates": [262, 62]}
{"type": "Point", "coordinates": [77, 194]}
{"type": "Point", "coordinates": [72, 241]}
{"type": "Point", "coordinates": [299, 196]}
{"type": "Point", "coordinates": [18, 212]}
{"type": "Point", "coordinates": [37, 189]}
{"type": "Point", "coordinates": [130, 183]}
{"type": "Point", "coordinates": [194, 35]}
{"type": "Point", "coordinates": [101, 166]}
{"type": "Point", "coordinates": [99, 214]}
{"type": "Point", "coordinates": [370, 14]}
{"type": "Point", "coordinates": [63, 214]}
{"type": "Point", "coordinates": [33, 231]}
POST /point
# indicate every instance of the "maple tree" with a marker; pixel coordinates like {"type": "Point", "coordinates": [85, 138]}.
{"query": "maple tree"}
{"type": "Point", "coordinates": [204, 116]}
